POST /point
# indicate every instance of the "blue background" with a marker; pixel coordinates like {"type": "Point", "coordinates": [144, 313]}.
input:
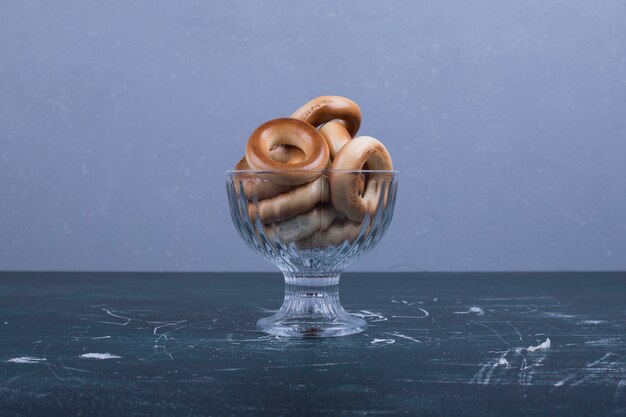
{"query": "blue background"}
{"type": "Point", "coordinates": [507, 120]}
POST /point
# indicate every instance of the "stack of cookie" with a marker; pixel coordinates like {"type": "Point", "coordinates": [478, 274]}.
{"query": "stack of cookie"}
{"type": "Point", "coordinates": [309, 180]}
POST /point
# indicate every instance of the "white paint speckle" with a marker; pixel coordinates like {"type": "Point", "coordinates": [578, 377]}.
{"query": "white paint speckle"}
{"type": "Point", "coordinates": [476, 310]}
{"type": "Point", "coordinates": [593, 322]}
{"type": "Point", "coordinates": [383, 342]}
{"type": "Point", "coordinates": [27, 359]}
{"type": "Point", "coordinates": [473, 310]}
{"type": "Point", "coordinates": [541, 346]}
{"type": "Point", "coordinates": [503, 362]}
{"type": "Point", "coordinates": [99, 356]}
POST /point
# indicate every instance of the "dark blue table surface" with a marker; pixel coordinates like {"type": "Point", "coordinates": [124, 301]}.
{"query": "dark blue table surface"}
{"type": "Point", "coordinates": [129, 344]}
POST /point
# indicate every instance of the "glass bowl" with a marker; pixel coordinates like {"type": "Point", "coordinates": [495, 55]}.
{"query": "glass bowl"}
{"type": "Point", "coordinates": [311, 231]}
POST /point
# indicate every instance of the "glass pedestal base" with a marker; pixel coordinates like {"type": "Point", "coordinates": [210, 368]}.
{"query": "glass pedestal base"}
{"type": "Point", "coordinates": [311, 309]}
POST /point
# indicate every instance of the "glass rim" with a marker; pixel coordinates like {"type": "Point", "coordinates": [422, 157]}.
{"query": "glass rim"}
{"type": "Point", "coordinates": [321, 171]}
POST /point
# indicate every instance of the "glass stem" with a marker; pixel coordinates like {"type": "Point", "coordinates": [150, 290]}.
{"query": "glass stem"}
{"type": "Point", "coordinates": [312, 301]}
{"type": "Point", "coordinates": [312, 279]}
{"type": "Point", "coordinates": [311, 308]}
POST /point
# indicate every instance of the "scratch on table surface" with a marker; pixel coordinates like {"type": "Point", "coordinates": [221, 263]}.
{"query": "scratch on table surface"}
{"type": "Point", "coordinates": [494, 332]}
{"type": "Point", "coordinates": [558, 315]}
{"type": "Point", "coordinates": [70, 368]}
{"type": "Point", "coordinates": [45, 352]}
{"type": "Point", "coordinates": [403, 336]}
{"type": "Point", "coordinates": [563, 381]}
{"type": "Point", "coordinates": [527, 370]}
{"type": "Point", "coordinates": [100, 337]}
{"type": "Point", "coordinates": [426, 314]}
{"type": "Point", "coordinates": [599, 371]}
{"type": "Point", "coordinates": [50, 365]}
{"type": "Point", "coordinates": [366, 314]}
{"type": "Point", "coordinates": [478, 376]}
{"type": "Point", "coordinates": [117, 316]}
{"type": "Point", "coordinates": [484, 374]}
{"type": "Point", "coordinates": [529, 298]}
{"type": "Point", "coordinates": [532, 365]}
{"type": "Point", "coordinates": [594, 363]}
{"type": "Point", "coordinates": [164, 349]}
{"type": "Point", "coordinates": [526, 377]}
{"type": "Point", "coordinates": [402, 302]}
{"type": "Point", "coordinates": [517, 331]}
{"type": "Point", "coordinates": [164, 335]}
{"type": "Point", "coordinates": [180, 349]}
{"type": "Point", "coordinates": [162, 324]}
{"type": "Point", "coordinates": [602, 342]}
{"type": "Point", "coordinates": [267, 338]}
{"type": "Point", "coordinates": [490, 374]}
{"type": "Point", "coordinates": [619, 391]}
{"type": "Point", "coordinates": [305, 365]}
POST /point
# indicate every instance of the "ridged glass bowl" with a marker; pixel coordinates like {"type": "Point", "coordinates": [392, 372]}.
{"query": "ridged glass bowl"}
{"type": "Point", "coordinates": [311, 232]}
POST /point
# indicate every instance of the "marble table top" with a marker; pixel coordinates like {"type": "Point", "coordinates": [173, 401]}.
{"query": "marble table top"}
{"type": "Point", "coordinates": [164, 344]}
